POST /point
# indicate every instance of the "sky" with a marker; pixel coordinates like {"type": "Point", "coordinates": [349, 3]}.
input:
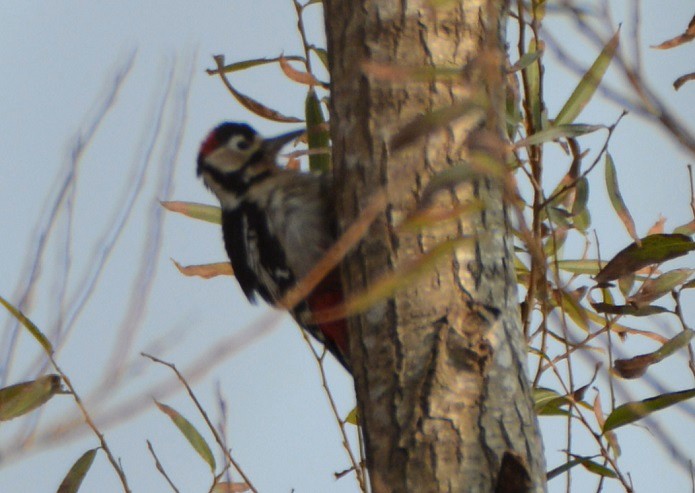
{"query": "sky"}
{"type": "Point", "coordinates": [61, 60]}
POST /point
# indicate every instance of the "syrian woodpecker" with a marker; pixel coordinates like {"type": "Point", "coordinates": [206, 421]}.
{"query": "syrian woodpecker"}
{"type": "Point", "coordinates": [276, 223]}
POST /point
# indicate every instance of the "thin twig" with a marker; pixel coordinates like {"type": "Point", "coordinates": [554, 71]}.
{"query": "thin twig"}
{"type": "Point", "coordinates": [204, 414]}
{"type": "Point", "coordinates": [160, 468]}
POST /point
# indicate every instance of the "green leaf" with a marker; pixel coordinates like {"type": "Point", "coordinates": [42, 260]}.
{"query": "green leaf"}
{"type": "Point", "coordinates": [29, 325]}
{"type": "Point", "coordinates": [526, 60]}
{"type": "Point", "coordinates": [209, 213]}
{"type": "Point", "coordinates": [245, 64]}
{"type": "Point", "coordinates": [581, 216]}
{"type": "Point", "coordinates": [586, 462]}
{"type": "Point", "coordinates": [24, 397]}
{"type": "Point", "coordinates": [654, 249]}
{"type": "Point", "coordinates": [617, 199]}
{"type": "Point", "coordinates": [192, 435]}
{"type": "Point", "coordinates": [533, 76]}
{"type": "Point", "coordinates": [634, 411]}
{"type": "Point", "coordinates": [322, 54]}
{"type": "Point", "coordinates": [547, 402]}
{"type": "Point", "coordinates": [653, 289]}
{"type": "Point", "coordinates": [317, 134]}
{"type": "Point", "coordinates": [581, 266]}
{"type": "Point", "coordinates": [353, 417]}
{"type": "Point", "coordinates": [73, 479]}
{"type": "Point", "coordinates": [556, 132]}
{"type": "Point", "coordinates": [584, 91]}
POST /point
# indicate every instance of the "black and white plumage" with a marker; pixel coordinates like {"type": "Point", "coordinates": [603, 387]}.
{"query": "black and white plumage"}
{"type": "Point", "coordinates": [277, 223]}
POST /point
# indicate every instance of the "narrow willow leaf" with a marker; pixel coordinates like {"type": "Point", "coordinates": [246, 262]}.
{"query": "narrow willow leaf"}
{"type": "Point", "coordinates": [584, 91]}
{"type": "Point", "coordinates": [206, 271]}
{"type": "Point", "coordinates": [317, 133]}
{"type": "Point", "coordinates": [353, 417]}
{"type": "Point", "coordinates": [595, 467]}
{"type": "Point", "coordinates": [322, 54]}
{"type": "Point", "coordinates": [192, 435]}
{"type": "Point", "coordinates": [686, 229]}
{"type": "Point", "coordinates": [556, 132]}
{"type": "Point", "coordinates": [73, 479]}
{"type": "Point", "coordinates": [573, 308]}
{"type": "Point", "coordinates": [636, 366]}
{"type": "Point", "coordinates": [533, 80]}
{"type": "Point", "coordinates": [28, 324]}
{"type": "Point", "coordinates": [635, 311]}
{"type": "Point", "coordinates": [653, 289]}
{"type": "Point", "coordinates": [526, 60]}
{"type": "Point", "coordinates": [582, 266]}
{"type": "Point", "coordinates": [249, 103]}
{"type": "Point", "coordinates": [547, 402]}
{"type": "Point", "coordinates": [209, 213]}
{"type": "Point", "coordinates": [634, 411]}
{"type": "Point", "coordinates": [246, 64]}
{"type": "Point", "coordinates": [617, 199]}
{"type": "Point", "coordinates": [24, 397]}
{"type": "Point", "coordinates": [654, 249]}
{"type": "Point", "coordinates": [686, 37]}
{"type": "Point", "coordinates": [581, 216]}
{"type": "Point", "coordinates": [297, 75]}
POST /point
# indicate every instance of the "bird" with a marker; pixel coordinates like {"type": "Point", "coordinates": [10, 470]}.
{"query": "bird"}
{"type": "Point", "coordinates": [277, 223]}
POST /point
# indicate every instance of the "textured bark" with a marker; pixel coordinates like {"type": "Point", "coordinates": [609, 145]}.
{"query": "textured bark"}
{"type": "Point", "coordinates": [439, 367]}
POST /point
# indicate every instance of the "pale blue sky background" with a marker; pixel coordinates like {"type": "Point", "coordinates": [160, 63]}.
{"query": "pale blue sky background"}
{"type": "Point", "coordinates": [58, 58]}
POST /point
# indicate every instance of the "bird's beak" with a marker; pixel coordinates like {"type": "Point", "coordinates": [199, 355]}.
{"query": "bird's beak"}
{"type": "Point", "coordinates": [273, 145]}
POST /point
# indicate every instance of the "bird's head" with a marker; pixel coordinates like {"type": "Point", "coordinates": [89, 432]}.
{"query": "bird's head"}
{"type": "Point", "coordinates": [233, 156]}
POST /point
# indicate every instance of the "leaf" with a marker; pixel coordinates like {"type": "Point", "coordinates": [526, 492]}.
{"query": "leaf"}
{"type": "Point", "coordinates": [526, 60]}
{"type": "Point", "coordinates": [587, 86]}
{"type": "Point", "coordinates": [655, 249]}
{"type": "Point", "coordinates": [29, 325]}
{"type": "Point", "coordinates": [245, 64]}
{"type": "Point", "coordinates": [317, 133]}
{"type": "Point", "coordinates": [617, 199]}
{"type": "Point", "coordinates": [635, 311]}
{"type": "Point", "coordinates": [73, 479]}
{"type": "Point", "coordinates": [595, 467]}
{"type": "Point", "coordinates": [206, 271]}
{"type": "Point", "coordinates": [297, 75]}
{"type": "Point", "coordinates": [581, 218]}
{"type": "Point", "coordinates": [581, 266]}
{"type": "Point", "coordinates": [323, 56]}
{"type": "Point", "coordinates": [547, 402]}
{"type": "Point", "coordinates": [588, 464]}
{"type": "Point", "coordinates": [653, 289]}
{"type": "Point", "coordinates": [24, 397]}
{"type": "Point", "coordinates": [687, 36]}
{"type": "Point", "coordinates": [637, 366]}
{"type": "Point", "coordinates": [634, 411]}
{"type": "Point", "coordinates": [249, 103]}
{"type": "Point", "coordinates": [556, 132]}
{"type": "Point", "coordinates": [209, 213]}
{"type": "Point", "coordinates": [533, 78]}
{"type": "Point", "coordinates": [686, 229]}
{"type": "Point", "coordinates": [353, 417]}
{"type": "Point", "coordinates": [192, 435]}
{"type": "Point", "coordinates": [678, 83]}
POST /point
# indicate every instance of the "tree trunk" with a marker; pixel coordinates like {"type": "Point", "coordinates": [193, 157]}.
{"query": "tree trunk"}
{"type": "Point", "coordinates": [439, 367]}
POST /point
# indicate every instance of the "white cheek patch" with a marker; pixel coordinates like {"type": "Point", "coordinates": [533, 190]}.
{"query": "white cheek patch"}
{"type": "Point", "coordinates": [226, 160]}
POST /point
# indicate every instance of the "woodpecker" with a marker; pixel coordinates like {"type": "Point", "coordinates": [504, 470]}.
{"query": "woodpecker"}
{"type": "Point", "coordinates": [277, 224]}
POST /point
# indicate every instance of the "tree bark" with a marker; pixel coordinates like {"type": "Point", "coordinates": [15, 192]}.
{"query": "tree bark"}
{"type": "Point", "coordinates": [440, 366]}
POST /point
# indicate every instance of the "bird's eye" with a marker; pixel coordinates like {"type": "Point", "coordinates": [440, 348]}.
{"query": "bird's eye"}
{"type": "Point", "coordinates": [242, 145]}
